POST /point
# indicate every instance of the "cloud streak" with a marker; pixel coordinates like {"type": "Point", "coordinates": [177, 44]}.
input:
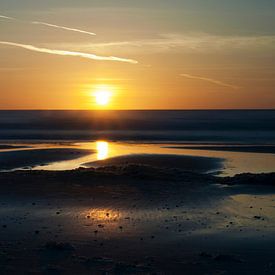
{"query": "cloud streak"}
{"type": "Point", "coordinates": [69, 53]}
{"type": "Point", "coordinates": [61, 27]}
{"type": "Point", "coordinates": [6, 17]}
{"type": "Point", "coordinates": [213, 81]}
{"type": "Point", "coordinates": [186, 43]}
{"type": "Point", "coordinates": [51, 25]}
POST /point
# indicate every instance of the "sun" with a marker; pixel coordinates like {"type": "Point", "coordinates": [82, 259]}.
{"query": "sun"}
{"type": "Point", "coordinates": [102, 97]}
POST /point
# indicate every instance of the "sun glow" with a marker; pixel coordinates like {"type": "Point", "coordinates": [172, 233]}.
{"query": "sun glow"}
{"type": "Point", "coordinates": [102, 96]}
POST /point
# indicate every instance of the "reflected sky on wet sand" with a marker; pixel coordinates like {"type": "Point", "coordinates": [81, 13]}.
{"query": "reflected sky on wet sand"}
{"type": "Point", "coordinates": [237, 216]}
{"type": "Point", "coordinates": [235, 162]}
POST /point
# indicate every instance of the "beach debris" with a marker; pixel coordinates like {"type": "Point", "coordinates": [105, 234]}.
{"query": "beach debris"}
{"type": "Point", "coordinates": [257, 217]}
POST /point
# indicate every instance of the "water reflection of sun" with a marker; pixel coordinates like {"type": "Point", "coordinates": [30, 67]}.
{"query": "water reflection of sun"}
{"type": "Point", "coordinates": [102, 148]}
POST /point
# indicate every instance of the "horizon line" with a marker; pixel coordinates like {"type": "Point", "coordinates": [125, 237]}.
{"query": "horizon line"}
{"type": "Point", "coordinates": [107, 110]}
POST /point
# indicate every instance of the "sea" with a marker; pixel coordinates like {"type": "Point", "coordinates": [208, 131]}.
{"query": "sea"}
{"type": "Point", "coordinates": [116, 133]}
{"type": "Point", "coordinates": [200, 126]}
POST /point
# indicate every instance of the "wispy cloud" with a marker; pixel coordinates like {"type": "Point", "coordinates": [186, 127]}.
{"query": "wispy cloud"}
{"type": "Point", "coordinates": [214, 81]}
{"type": "Point", "coordinates": [69, 53]}
{"type": "Point", "coordinates": [62, 27]}
{"type": "Point", "coordinates": [189, 42]}
{"type": "Point", "coordinates": [6, 17]}
{"type": "Point", "coordinates": [51, 25]}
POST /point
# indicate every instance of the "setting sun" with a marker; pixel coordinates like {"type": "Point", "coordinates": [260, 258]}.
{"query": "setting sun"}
{"type": "Point", "coordinates": [102, 97]}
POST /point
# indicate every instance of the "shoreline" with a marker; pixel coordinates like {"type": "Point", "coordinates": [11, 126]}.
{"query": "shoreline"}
{"type": "Point", "coordinates": [32, 157]}
{"type": "Point", "coordinates": [231, 148]}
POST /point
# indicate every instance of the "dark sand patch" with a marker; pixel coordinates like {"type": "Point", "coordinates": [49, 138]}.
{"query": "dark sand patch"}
{"type": "Point", "coordinates": [103, 181]}
{"type": "Point", "coordinates": [264, 179]}
{"type": "Point", "coordinates": [30, 158]}
{"type": "Point", "coordinates": [245, 149]}
{"type": "Point", "coordinates": [187, 163]}
{"type": "Point", "coordinates": [7, 146]}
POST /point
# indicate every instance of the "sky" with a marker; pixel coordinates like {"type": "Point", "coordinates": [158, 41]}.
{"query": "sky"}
{"type": "Point", "coordinates": [148, 54]}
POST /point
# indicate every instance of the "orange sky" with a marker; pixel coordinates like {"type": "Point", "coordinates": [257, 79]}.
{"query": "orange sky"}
{"type": "Point", "coordinates": [174, 55]}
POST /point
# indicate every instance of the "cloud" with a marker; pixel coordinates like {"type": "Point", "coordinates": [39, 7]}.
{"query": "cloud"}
{"type": "Point", "coordinates": [185, 43]}
{"type": "Point", "coordinates": [6, 17]}
{"type": "Point", "coordinates": [62, 27]}
{"type": "Point", "coordinates": [214, 81]}
{"type": "Point", "coordinates": [50, 25]}
{"type": "Point", "coordinates": [69, 53]}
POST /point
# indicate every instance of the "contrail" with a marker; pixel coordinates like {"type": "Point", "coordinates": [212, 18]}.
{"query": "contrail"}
{"type": "Point", "coordinates": [50, 25]}
{"type": "Point", "coordinates": [214, 81]}
{"type": "Point", "coordinates": [61, 27]}
{"type": "Point", "coordinates": [7, 17]}
{"type": "Point", "coordinates": [69, 53]}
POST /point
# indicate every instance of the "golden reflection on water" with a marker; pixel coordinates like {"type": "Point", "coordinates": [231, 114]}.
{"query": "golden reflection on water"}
{"type": "Point", "coordinates": [102, 148]}
{"type": "Point", "coordinates": [235, 162]}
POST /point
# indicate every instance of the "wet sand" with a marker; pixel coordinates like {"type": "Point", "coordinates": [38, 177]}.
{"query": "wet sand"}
{"type": "Point", "coordinates": [187, 163]}
{"type": "Point", "coordinates": [250, 149]}
{"type": "Point", "coordinates": [136, 219]}
{"type": "Point", "coordinates": [8, 146]}
{"type": "Point", "coordinates": [226, 163]}
{"type": "Point", "coordinates": [30, 158]}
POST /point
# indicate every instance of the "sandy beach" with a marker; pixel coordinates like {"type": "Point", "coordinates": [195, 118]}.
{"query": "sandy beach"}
{"type": "Point", "coordinates": [136, 219]}
{"type": "Point", "coordinates": [237, 148]}
{"type": "Point", "coordinates": [187, 163]}
{"type": "Point", "coordinates": [100, 206]}
{"type": "Point", "coordinates": [32, 157]}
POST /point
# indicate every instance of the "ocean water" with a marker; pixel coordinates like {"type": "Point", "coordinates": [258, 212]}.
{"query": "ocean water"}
{"type": "Point", "coordinates": [112, 134]}
{"type": "Point", "coordinates": [238, 126]}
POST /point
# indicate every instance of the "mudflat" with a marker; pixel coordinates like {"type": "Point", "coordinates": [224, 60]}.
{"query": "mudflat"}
{"type": "Point", "coordinates": [136, 219]}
